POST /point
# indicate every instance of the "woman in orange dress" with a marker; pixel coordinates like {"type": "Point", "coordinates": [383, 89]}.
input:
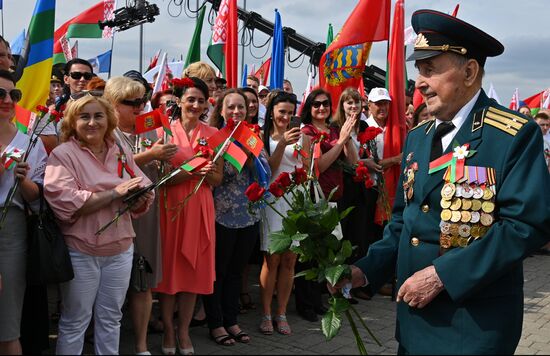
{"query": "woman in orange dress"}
{"type": "Point", "coordinates": [188, 235]}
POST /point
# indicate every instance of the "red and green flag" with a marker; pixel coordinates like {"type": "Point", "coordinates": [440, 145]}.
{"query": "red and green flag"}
{"type": "Point", "coordinates": [152, 120]}
{"type": "Point", "coordinates": [22, 118]}
{"type": "Point", "coordinates": [233, 154]}
{"type": "Point", "coordinates": [223, 47]}
{"type": "Point", "coordinates": [194, 164]}
{"type": "Point", "coordinates": [84, 25]}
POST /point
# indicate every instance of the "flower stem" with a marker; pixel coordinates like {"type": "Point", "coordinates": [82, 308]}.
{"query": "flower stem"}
{"type": "Point", "coordinates": [365, 325]}
{"type": "Point", "coordinates": [358, 340]}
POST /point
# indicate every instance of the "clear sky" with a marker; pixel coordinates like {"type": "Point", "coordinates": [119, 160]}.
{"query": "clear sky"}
{"type": "Point", "coordinates": [521, 27]}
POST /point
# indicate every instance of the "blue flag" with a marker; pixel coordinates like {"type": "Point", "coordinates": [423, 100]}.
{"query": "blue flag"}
{"type": "Point", "coordinates": [1, 5]}
{"type": "Point", "coordinates": [277, 55]}
{"type": "Point", "coordinates": [18, 43]}
{"type": "Point", "coordinates": [244, 75]}
{"type": "Point", "coordinates": [101, 63]}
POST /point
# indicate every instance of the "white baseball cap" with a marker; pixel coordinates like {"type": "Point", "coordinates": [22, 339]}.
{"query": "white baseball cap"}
{"type": "Point", "coordinates": [262, 88]}
{"type": "Point", "coordinates": [377, 94]}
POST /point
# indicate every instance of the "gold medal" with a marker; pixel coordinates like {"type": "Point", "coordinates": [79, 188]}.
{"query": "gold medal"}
{"type": "Point", "coordinates": [474, 231]}
{"type": "Point", "coordinates": [445, 204]}
{"type": "Point", "coordinates": [464, 230]}
{"type": "Point", "coordinates": [487, 194]}
{"type": "Point", "coordinates": [486, 219]}
{"type": "Point", "coordinates": [463, 242]}
{"type": "Point", "coordinates": [446, 215]}
{"type": "Point", "coordinates": [455, 216]}
{"type": "Point", "coordinates": [410, 193]}
{"type": "Point", "coordinates": [445, 241]}
{"type": "Point", "coordinates": [487, 206]}
{"type": "Point", "coordinates": [453, 230]}
{"type": "Point", "coordinates": [476, 205]}
{"type": "Point", "coordinates": [466, 204]}
{"type": "Point", "coordinates": [475, 217]}
{"type": "Point", "coordinates": [478, 193]}
{"type": "Point", "coordinates": [448, 191]}
{"type": "Point", "coordinates": [454, 241]}
{"type": "Point", "coordinates": [456, 204]}
{"type": "Point", "coordinates": [466, 216]}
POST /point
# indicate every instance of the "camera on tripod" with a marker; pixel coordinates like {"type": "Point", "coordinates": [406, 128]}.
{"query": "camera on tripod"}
{"type": "Point", "coordinates": [128, 17]}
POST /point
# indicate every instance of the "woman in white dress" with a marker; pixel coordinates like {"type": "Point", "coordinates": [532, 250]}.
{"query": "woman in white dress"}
{"type": "Point", "coordinates": [278, 269]}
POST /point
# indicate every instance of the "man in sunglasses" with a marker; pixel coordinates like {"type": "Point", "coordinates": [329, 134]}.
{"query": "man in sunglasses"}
{"type": "Point", "coordinates": [78, 73]}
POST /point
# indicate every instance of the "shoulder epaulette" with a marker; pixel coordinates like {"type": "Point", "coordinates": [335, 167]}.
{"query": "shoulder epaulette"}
{"type": "Point", "coordinates": [421, 124]}
{"type": "Point", "coordinates": [503, 120]}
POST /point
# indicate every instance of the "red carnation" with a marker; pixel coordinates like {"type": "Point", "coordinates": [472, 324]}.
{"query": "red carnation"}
{"type": "Point", "coordinates": [299, 176]}
{"type": "Point", "coordinates": [230, 123]}
{"type": "Point", "coordinates": [284, 180]}
{"type": "Point", "coordinates": [42, 109]}
{"type": "Point", "coordinates": [254, 192]}
{"type": "Point", "coordinates": [370, 133]}
{"type": "Point", "coordinates": [56, 115]}
{"type": "Point", "coordinates": [255, 128]}
{"type": "Point", "coordinates": [369, 183]}
{"type": "Point", "coordinates": [276, 189]}
{"type": "Point", "coordinates": [205, 151]}
{"type": "Point", "coordinates": [183, 83]}
{"type": "Point", "coordinates": [361, 172]}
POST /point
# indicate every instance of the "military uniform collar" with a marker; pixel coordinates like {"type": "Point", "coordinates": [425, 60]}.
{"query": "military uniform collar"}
{"type": "Point", "coordinates": [462, 114]}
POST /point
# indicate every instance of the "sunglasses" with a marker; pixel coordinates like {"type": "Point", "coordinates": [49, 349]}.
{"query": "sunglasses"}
{"type": "Point", "coordinates": [317, 104]}
{"type": "Point", "coordinates": [134, 103]}
{"type": "Point", "coordinates": [15, 94]}
{"type": "Point", "coordinates": [79, 75]}
{"type": "Point", "coordinates": [81, 94]}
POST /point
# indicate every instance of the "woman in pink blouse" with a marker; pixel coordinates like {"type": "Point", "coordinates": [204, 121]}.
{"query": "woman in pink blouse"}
{"type": "Point", "coordinates": [86, 178]}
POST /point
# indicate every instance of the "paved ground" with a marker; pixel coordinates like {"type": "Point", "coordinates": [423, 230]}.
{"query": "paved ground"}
{"type": "Point", "coordinates": [379, 313]}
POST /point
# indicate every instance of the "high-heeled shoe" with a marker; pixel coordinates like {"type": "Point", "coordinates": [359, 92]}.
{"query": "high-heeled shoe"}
{"type": "Point", "coordinates": [186, 351]}
{"type": "Point", "coordinates": [167, 350]}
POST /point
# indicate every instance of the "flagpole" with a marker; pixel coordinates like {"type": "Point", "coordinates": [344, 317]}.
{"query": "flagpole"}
{"type": "Point", "coordinates": [242, 50]}
{"type": "Point", "coordinates": [141, 48]}
{"type": "Point", "coordinates": [111, 59]}
{"type": "Point", "coordinates": [2, 20]}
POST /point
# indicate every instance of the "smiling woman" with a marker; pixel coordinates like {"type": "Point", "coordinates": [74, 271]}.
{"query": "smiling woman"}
{"type": "Point", "coordinates": [86, 179]}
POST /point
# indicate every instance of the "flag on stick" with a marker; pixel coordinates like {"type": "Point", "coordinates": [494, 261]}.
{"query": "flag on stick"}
{"type": "Point", "coordinates": [23, 118]}
{"type": "Point", "coordinates": [263, 72]}
{"type": "Point", "coordinates": [35, 80]}
{"type": "Point", "coordinates": [514, 104]}
{"type": "Point", "coordinates": [343, 62]}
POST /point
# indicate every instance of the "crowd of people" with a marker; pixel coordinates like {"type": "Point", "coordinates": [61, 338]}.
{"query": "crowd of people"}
{"type": "Point", "coordinates": [199, 254]}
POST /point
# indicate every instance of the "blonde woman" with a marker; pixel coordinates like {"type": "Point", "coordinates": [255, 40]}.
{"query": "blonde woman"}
{"type": "Point", "coordinates": [85, 190]}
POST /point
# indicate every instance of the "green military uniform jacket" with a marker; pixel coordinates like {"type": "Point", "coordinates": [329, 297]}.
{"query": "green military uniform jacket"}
{"type": "Point", "coordinates": [481, 309]}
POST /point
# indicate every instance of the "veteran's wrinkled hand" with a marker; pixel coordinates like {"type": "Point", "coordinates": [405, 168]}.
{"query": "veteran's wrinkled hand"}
{"type": "Point", "coordinates": [420, 288]}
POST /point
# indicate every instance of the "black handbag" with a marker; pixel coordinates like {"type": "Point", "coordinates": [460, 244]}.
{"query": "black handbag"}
{"type": "Point", "coordinates": [140, 268]}
{"type": "Point", "coordinates": [48, 259]}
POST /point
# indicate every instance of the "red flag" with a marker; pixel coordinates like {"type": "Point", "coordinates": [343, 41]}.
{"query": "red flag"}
{"type": "Point", "coordinates": [248, 139]}
{"type": "Point", "coordinates": [235, 156]}
{"type": "Point", "coordinates": [194, 164]}
{"type": "Point", "coordinates": [22, 118]}
{"type": "Point", "coordinates": [154, 61]}
{"type": "Point", "coordinates": [343, 62]}
{"type": "Point", "coordinates": [148, 121]}
{"type": "Point", "coordinates": [231, 47]}
{"type": "Point", "coordinates": [394, 137]}
{"type": "Point", "coordinates": [263, 72]}
{"type": "Point", "coordinates": [455, 12]}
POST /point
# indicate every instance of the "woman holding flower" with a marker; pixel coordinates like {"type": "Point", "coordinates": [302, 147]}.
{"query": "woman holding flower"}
{"type": "Point", "coordinates": [13, 234]}
{"type": "Point", "coordinates": [236, 230]}
{"type": "Point", "coordinates": [284, 147]}
{"type": "Point", "coordinates": [333, 144]}
{"type": "Point", "coordinates": [188, 234]}
{"type": "Point", "coordinates": [86, 179]}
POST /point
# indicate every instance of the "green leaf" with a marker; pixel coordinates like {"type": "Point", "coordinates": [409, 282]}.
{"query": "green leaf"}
{"type": "Point", "coordinates": [339, 304]}
{"type": "Point", "coordinates": [333, 274]}
{"type": "Point", "coordinates": [346, 249]}
{"type": "Point", "coordinates": [332, 193]}
{"type": "Point", "coordinates": [331, 324]}
{"type": "Point", "coordinates": [299, 237]}
{"type": "Point", "coordinates": [345, 213]}
{"type": "Point", "coordinates": [279, 242]}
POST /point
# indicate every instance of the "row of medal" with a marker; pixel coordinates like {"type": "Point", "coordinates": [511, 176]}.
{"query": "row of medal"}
{"type": "Point", "coordinates": [467, 210]}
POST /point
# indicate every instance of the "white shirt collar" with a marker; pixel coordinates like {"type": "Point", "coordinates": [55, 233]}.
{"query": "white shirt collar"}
{"type": "Point", "coordinates": [372, 122]}
{"type": "Point", "coordinates": [462, 114]}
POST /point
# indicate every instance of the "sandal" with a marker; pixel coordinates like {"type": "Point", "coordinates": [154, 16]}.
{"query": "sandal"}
{"type": "Point", "coordinates": [282, 325]}
{"type": "Point", "coordinates": [266, 326]}
{"type": "Point", "coordinates": [246, 301]}
{"type": "Point", "coordinates": [223, 340]}
{"type": "Point", "coordinates": [241, 336]}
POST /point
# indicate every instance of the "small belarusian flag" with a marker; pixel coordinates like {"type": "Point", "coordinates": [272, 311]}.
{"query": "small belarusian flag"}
{"type": "Point", "coordinates": [246, 137]}
{"type": "Point", "coordinates": [235, 156]}
{"type": "Point", "coordinates": [194, 164]}
{"type": "Point", "coordinates": [150, 121]}
{"type": "Point", "coordinates": [22, 118]}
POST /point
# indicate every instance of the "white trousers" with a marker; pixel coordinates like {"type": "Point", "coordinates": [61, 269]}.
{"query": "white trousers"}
{"type": "Point", "coordinates": [99, 283]}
